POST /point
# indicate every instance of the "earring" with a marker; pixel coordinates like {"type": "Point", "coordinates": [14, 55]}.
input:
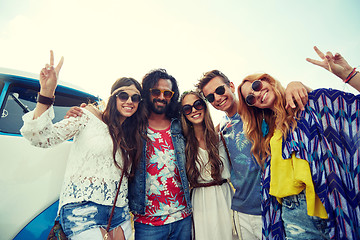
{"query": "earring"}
{"type": "Point", "coordinates": [264, 126]}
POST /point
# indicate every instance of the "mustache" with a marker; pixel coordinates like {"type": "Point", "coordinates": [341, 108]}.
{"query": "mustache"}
{"type": "Point", "coordinates": [159, 100]}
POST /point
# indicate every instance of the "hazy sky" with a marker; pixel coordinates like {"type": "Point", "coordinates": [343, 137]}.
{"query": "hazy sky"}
{"type": "Point", "coordinates": [104, 40]}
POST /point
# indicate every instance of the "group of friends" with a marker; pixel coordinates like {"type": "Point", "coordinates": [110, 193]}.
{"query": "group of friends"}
{"type": "Point", "coordinates": [282, 163]}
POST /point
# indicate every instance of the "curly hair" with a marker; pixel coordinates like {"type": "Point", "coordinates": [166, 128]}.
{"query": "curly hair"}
{"type": "Point", "coordinates": [192, 145]}
{"type": "Point", "coordinates": [280, 118]}
{"type": "Point", "coordinates": [150, 80]}
{"type": "Point", "coordinates": [126, 136]}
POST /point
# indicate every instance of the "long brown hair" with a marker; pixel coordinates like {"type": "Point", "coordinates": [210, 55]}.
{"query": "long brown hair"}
{"type": "Point", "coordinates": [280, 118]}
{"type": "Point", "coordinates": [192, 145]}
{"type": "Point", "coordinates": [128, 136]}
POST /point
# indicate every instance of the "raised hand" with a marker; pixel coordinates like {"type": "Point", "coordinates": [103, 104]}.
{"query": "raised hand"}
{"type": "Point", "coordinates": [49, 76]}
{"type": "Point", "coordinates": [333, 63]}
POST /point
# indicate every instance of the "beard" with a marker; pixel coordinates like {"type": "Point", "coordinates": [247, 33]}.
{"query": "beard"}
{"type": "Point", "coordinates": [159, 109]}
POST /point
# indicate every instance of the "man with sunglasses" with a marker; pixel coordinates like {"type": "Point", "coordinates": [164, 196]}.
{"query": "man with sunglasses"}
{"type": "Point", "coordinates": [245, 172]}
{"type": "Point", "coordinates": [159, 194]}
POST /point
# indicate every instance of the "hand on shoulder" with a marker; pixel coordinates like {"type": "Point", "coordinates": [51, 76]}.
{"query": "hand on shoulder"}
{"type": "Point", "coordinates": [94, 110]}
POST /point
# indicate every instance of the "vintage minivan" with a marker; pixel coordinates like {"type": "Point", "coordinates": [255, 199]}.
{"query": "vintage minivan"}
{"type": "Point", "coordinates": [30, 177]}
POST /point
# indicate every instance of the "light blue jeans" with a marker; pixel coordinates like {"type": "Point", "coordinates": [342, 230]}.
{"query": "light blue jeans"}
{"type": "Point", "coordinates": [179, 230]}
{"type": "Point", "coordinates": [298, 224]}
{"type": "Point", "coordinates": [76, 218]}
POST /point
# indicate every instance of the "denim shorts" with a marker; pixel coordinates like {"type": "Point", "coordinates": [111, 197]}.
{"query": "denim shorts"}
{"type": "Point", "coordinates": [79, 217]}
{"type": "Point", "coordinates": [298, 224]}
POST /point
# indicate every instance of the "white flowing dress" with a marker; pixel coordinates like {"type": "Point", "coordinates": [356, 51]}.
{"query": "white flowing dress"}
{"type": "Point", "coordinates": [212, 205]}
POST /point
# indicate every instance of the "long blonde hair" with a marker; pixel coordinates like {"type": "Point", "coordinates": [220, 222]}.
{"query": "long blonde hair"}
{"type": "Point", "coordinates": [283, 119]}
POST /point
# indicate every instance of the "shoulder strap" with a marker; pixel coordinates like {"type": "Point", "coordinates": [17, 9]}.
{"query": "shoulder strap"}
{"type": "Point", "coordinates": [113, 207]}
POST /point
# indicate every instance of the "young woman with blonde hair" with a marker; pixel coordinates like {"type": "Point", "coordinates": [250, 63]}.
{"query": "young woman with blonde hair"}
{"type": "Point", "coordinates": [310, 158]}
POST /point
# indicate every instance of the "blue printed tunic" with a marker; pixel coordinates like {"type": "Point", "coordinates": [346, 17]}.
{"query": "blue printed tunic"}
{"type": "Point", "coordinates": [245, 171]}
{"type": "Point", "coordinates": [328, 137]}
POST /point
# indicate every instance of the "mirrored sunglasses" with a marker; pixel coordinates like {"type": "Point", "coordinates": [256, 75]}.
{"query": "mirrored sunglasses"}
{"type": "Point", "coordinates": [198, 105]}
{"type": "Point", "coordinates": [256, 86]}
{"type": "Point", "coordinates": [219, 91]}
{"type": "Point", "coordinates": [157, 92]}
{"type": "Point", "coordinates": [124, 96]}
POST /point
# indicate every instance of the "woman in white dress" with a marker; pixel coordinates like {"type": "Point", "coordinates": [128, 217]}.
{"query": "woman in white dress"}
{"type": "Point", "coordinates": [104, 146]}
{"type": "Point", "coordinates": [207, 169]}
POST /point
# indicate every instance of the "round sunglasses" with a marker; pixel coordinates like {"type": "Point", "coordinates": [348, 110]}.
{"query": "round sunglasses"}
{"type": "Point", "coordinates": [198, 105]}
{"type": "Point", "coordinates": [124, 96]}
{"type": "Point", "coordinates": [157, 92]}
{"type": "Point", "coordinates": [219, 91]}
{"type": "Point", "coordinates": [251, 99]}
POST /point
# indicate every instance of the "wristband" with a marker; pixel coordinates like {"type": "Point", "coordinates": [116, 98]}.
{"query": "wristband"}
{"type": "Point", "coordinates": [352, 77]}
{"type": "Point", "coordinates": [45, 100]}
{"type": "Point", "coordinates": [349, 76]}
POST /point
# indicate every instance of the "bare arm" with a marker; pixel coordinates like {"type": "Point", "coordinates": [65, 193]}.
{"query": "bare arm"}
{"type": "Point", "coordinates": [337, 65]}
{"type": "Point", "coordinates": [355, 81]}
{"type": "Point", "coordinates": [48, 82]}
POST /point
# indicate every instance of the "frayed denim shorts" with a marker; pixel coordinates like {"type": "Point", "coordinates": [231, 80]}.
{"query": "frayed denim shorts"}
{"type": "Point", "coordinates": [79, 217]}
{"type": "Point", "coordinates": [298, 224]}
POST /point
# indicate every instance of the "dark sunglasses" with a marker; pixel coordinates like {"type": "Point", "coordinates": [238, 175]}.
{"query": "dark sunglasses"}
{"type": "Point", "coordinates": [124, 96]}
{"type": "Point", "coordinates": [219, 91]}
{"type": "Point", "coordinates": [256, 86]}
{"type": "Point", "coordinates": [157, 92]}
{"type": "Point", "coordinates": [198, 105]}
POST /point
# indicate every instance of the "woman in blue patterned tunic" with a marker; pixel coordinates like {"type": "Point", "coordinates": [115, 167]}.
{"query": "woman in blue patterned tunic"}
{"type": "Point", "coordinates": [310, 158]}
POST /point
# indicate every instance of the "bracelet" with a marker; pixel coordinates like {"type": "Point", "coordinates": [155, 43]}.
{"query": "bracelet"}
{"type": "Point", "coordinates": [45, 100]}
{"type": "Point", "coordinates": [352, 76]}
{"type": "Point", "coordinates": [348, 77]}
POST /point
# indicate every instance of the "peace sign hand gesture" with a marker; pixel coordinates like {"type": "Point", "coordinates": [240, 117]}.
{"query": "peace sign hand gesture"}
{"type": "Point", "coordinates": [49, 76]}
{"type": "Point", "coordinates": [333, 63]}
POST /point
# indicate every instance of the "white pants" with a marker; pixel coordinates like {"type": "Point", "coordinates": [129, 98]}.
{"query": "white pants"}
{"type": "Point", "coordinates": [249, 227]}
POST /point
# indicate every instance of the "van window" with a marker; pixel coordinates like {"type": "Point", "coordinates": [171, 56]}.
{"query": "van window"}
{"type": "Point", "coordinates": [21, 99]}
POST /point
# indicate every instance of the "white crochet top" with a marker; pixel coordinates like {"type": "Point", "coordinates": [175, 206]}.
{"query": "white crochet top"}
{"type": "Point", "coordinates": [91, 174]}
